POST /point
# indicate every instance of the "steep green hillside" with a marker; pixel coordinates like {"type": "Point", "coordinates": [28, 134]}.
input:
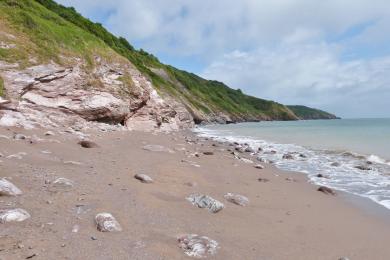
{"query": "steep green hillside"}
{"type": "Point", "coordinates": [55, 29]}
{"type": "Point", "coordinates": [307, 113]}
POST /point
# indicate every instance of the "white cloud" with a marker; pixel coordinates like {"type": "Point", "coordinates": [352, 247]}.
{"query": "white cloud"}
{"type": "Point", "coordinates": [311, 74]}
{"type": "Point", "coordinates": [292, 51]}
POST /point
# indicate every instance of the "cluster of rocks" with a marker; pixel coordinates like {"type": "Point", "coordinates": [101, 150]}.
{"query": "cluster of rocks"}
{"type": "Point", "coordinates": [50, 95]}
{"type": "Point", "coordinates": [11, 214]}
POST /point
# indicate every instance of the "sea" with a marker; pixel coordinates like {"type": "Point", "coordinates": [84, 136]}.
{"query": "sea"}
{"type": "Point", "coordinates": [353, 154]}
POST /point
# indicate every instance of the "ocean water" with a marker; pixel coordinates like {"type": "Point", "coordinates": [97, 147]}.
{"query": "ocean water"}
{"type": "Point", "coordinates": [334, 148]}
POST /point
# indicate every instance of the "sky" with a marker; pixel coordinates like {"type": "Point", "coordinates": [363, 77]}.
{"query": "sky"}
{"type": "Point", "coordinates": [333, 55]}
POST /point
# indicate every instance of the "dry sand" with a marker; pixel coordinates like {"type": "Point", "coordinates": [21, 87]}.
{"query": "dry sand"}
{"type": "Point", "coordinates": [284, 220]}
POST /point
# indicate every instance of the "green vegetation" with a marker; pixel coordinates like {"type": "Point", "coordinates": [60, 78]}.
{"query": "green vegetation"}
{"type": "Point", "coordinates": [44, 34]}
{"type": "Point", "coordinates": [307, 113]}
{"type": "Point", "coordinates": [2, 90]}
{"type": "Point", "coordinates": [210, 97]}
{"type": "Point", "coordinates": [48, 31]}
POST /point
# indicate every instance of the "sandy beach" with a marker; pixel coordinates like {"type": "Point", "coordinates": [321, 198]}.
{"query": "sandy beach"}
{"type": "Point", "coordinates": [286, 218]}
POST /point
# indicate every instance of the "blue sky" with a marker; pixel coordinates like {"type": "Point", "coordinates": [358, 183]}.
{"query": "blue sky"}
{"type": "Point", "coordinates": [333, 55]}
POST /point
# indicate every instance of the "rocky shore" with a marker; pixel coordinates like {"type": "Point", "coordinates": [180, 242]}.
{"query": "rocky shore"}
{"type": "Point", "coordinates": [137, 195]}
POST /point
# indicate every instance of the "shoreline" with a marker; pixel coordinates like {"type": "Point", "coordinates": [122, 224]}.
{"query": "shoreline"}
{"type": "Point", "coordinates": [287, 218]}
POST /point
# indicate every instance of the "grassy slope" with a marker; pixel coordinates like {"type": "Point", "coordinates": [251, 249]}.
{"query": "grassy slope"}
{"type": "Point", "coordinates": [304, 112]}
{"type": "Point", "coordinates": [209, 97]}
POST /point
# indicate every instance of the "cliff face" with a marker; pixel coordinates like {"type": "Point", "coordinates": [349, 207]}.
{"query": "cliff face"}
{"type": "Point", "coordinates": [59, 69]}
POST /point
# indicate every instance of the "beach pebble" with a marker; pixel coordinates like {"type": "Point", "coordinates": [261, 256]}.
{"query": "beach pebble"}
{"type": "Point", "coordinates": [204, 201]}
{"type": "Point", "coordinates": [288, 156]}
{"type": "Point", "coordinates": [18, 156]}
{"type": "Point", "coordinates": [259, 166]}
{"type": "Point", "coordinates": [261, 159]}
{"type": "Point", "coordinates": [208, 153]}
{"type": "Point", "coordinates": [237, 199]}
{"type": "Point", "coordinates": [8, 189]}
{"type": "Point", "coordinates": [87, 144]}
{"type": "Point", "coordinates": [19, 137]}
{"type": "Point", "coordinates": [239, 148]}
{"type": "Point", "coordinates": [322, 176]}
{"type": "Point", "coordinates": [63, 183]}
{"type": "Point", "coordinates": [335, 164]}
{"type": "Point", "coordinates": [197, 246]}
{"type": "Point", "coordinates": [249, 150]}
{"type": "Point", "coordinates": [49, 133]}
{"type": "Point", "coordinates": [246, 160]}
{"type": "Point", "coordinates": [263, 180]}
{"type": "Point", "coordinates": [143, 178]}
{"type": "Point", "coordinates": [13, 215]}
{"type": "Point", "coordinates": [343, 258]}
{"type": "Point", "coordinates": [191, 163]}
{"type": "Point", "coordinates": [107, 223]}
{"type": "Point", "coordinates": [363, 168]}
{"type": "Point", "coordinates": [290, 179]}
{"type": "Point", "coordinates": [326, 190]}
{"type": "Point", "coordinates": [157, 148]}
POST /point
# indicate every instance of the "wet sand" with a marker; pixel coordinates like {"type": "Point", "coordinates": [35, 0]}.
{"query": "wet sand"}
{"type": "Point", "coordinates": [285, 219]}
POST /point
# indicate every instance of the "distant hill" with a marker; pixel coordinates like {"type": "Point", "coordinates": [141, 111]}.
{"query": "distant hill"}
{"type": "Point", "coordinates": [308, 113]}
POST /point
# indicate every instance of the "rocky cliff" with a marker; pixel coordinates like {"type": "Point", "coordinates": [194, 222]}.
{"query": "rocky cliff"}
{"type": "Point", "coordinates": [57, 68]}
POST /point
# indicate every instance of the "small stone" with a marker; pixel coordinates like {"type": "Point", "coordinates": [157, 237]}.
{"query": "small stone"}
{"type": "Point", "coordinates": [197, 246]}
{"type": "Point", "coordinates": [246, 160]}
{"type": "Point", "coordinates": [75, 228]}
{"type": "Point", "coordinates": [290, 179]}
{"type": "Point", "coordinates": [107, 223]}
{"type": "Point", "coordinates": [204, 201]}
{"type": "Point", "coordinates": [49, 133]}
{"type": "Point", "coordinates": [143, 178]}
{"type": "Point", "coordinates": [8, 189]}
{"type": "Point", "coordinates": [88, 144]}
{"type": "Point", "coordinates": [343, 258]}
{"type": "Point", "coordinates": [288, 156]}
{"type": "Point", "coordinates": [19, 137]}
{"type": "Point", "coordinates": [363, 168]}
{"type": "Point", "coordinates": [191, 163]}
{"type": "Point", "coordinates": [302, 155]}
{"type": "Point", "coordinates": [249, 149]}
{"type": "Point", "coordinates": [63, 183]}
{"type": "Point", "coordinates": [322, 176]}
{"type": "Point", "coordinates": [93, 238]}
{"type": "Point", "coordinates": [326, 190]}
{"type": "Point", "coordinates": [263, 180]}
{"type": "Point", "coordinates": [237, 199]}
{"type": "Point", "coordinates": [335, 164]}
{"type": "Point", "coordinates": [157, 148]}
{"type": "Point", "coordinates": [208, 153]}
{"type": "Point", "coordinates": [13, 215]}
{"type": "Point", "coordinates": [259, 166]}
{"type": "Point", "coordinates": [191, 184]}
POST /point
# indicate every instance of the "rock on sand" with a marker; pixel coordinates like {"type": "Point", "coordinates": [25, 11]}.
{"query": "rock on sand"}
{"type": "Point", "coordinates": [204, 201]}
{"type": "Point", "coordinates": [107, 223]}
{"type": "Point", "coordinates": [8, 189]}
{"type": "Point", "coordinates": [237, 199]}
{"type": "Point", "coordinates": [197, 246]}
{"type": "Point", "coordinates": [13, 215]}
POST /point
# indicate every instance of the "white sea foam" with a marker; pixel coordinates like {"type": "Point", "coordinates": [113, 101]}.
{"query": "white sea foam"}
{"type": "Point", "coordinates": [372, 180]}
